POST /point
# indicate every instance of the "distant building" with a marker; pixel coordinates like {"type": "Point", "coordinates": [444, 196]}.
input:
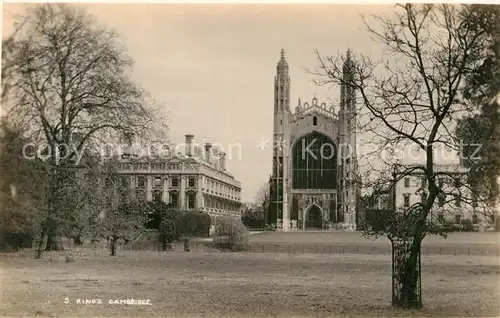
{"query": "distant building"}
{"type": "Point", "coordinates": [194, 180]}
{"type": "Point", "coordinates": [457, 202]}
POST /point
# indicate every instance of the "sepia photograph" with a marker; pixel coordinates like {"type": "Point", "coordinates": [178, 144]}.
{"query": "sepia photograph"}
{"type": "Point", "coordinates": [250, 159]}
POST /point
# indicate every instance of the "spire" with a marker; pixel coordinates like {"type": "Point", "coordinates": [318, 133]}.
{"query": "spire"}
{"type": "Point", "coordinates": [348, 63]}
{"type": "Point", "coordinates": [282, 64]}
{"type": "Point", "coordinates": [347, 91]}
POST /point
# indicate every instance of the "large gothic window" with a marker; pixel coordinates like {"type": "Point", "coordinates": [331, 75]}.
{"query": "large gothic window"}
{"type": "Point", "coordinates": [314, 163]}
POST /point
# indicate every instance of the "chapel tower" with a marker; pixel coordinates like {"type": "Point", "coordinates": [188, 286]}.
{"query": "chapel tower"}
{"type": "Point", "coordinates": [347, 137]}
{"type": "Point", "coordinates": [312, 184]}
{"type": "Point", "coordinates": [281, 127]}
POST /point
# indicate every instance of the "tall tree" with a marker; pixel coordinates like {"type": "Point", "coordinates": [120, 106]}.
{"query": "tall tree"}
{"type": "Point", "coordinates": [411, 99]}
{"type": "Point", "coordinates": [21, 183]}
{"type": "Point", "coordinates": [27, 193]}
{"type": "Point", "coordinates": [66, 82]}
{"type": "Point", "coordinates": [261, 203]}
{"type": "Point", "coordinates": [480, 132]}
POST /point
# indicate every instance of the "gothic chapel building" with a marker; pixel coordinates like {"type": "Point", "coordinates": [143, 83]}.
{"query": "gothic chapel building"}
{"type": "Point", "coordinates": [314, 159]}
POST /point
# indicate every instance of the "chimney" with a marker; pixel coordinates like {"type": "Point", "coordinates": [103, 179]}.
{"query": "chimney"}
{"type": "Point", "coordinates": [208, 149]}
{"type": "Point", "coordinates": [189, 145]}
{"type": "Point", "coordinates": [222, 159]}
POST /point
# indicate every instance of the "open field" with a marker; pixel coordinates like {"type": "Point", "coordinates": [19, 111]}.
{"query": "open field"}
{"type": "Point", "coordinates": [240, 284]}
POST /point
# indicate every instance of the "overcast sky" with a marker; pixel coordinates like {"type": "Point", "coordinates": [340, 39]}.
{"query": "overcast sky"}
{"type": "Point", "coordinates": [213, 66]}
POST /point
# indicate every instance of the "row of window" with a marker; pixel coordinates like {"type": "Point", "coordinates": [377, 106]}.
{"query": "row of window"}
{"type": "Point", "coordinates": [220, 187]}
{"type": "Point", "coordinates": [215, 203]}
{"type": "Point", "coordinates": [458, 219]}
{"type": "Point", "coordinates": [457, 182]}
{"type": "Point", "coordinates": [154, 166]}
{"type": "Point", "coordinates": [457, 199]}
{"type": "Point", "coordinates": [174, 199]}
{"type": "Point", "coordinates": [158, 182]}
{"type": "Point", "coordinates": [174, 182]}
{"type": "Point", "coordinates": [210, 202]}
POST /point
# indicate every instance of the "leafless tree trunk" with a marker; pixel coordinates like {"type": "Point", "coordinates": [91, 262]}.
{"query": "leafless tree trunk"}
{"type": "Point", "coordinates": [65, 81]}
{"type": "Point", "coordinates": [409, 100]}
{"type": "Point", "coordinates": [112, 245]}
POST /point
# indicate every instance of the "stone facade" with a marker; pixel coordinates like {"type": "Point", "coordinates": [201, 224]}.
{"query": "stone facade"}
{"type": "Point", "coordinates": [194, 180]}
{"type": "Point", "coordinates": [314, 159]}
{"type": "Point", "coordinates": [457, 202]}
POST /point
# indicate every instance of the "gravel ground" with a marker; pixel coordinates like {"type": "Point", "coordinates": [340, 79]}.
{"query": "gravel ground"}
{"type": "Point", "coordinates": [239, 284]}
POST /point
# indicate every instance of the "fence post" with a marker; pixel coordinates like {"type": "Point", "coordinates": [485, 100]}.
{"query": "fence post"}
{"type": "Point", "coordinates": [330, 249]}
{"type": "Point", "coordinates": [454, 251]}
{"type": "Point", "coordinates": [263, 247]}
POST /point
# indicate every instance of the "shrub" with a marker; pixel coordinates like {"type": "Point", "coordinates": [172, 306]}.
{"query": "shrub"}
{"type": "Point", "coordinates": [14, 241]}
{"type": "Point", "coordinates": [194, 224]}
{"type": "Point", "coordinates": [176, 225]}
{"type": "Point", "coordinates": [143, 239]}
{"type": "Point", "coordinates": [203, 228]}
{"type": "Point", "coordinates": [187, 223]}
{"type": "Point", "coordinates": [253, 219]}
{"type": "Point", "coordinates": [156, 210]}
{"type": "Point", "coordinates": [168, 231]}
{"type": "Point", "coordinates": [231, 234]}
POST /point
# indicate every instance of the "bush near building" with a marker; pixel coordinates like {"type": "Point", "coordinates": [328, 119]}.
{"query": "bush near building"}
{"type": "Point", "coordinates": [231, 234]}
{"type": "Point", "coordinates": [173, 224]}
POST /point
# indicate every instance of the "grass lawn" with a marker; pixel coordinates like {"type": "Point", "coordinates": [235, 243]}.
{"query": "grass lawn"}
{"type": "Point", "coordinates": [467, 244]}
{"type": "Point", "coordinates": [240, 284]}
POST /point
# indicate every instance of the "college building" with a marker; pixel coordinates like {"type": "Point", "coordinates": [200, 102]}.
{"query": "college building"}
{"type": "Point", "coordinates": [456, 202]}
{"type": "Point", "coordinates": [196, 179]}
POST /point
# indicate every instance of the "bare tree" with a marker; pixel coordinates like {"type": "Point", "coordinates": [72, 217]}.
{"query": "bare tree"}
{"type": "Point", "coordinates": [66, 81]}
{"type": "Point", "coordinates": [114, 210]}
{"type": "Point", "coordinates": [262, 197]}
{"type": "Point", "coordinates": [26, 186]}
{"type": "Point", "coordinates": [259, 208]}
{"type": "Point", "coordinates": [410, 100]}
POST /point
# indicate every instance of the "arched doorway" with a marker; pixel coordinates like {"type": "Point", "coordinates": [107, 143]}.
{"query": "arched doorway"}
{"type": "Point", "coordinates": [314, 217]}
